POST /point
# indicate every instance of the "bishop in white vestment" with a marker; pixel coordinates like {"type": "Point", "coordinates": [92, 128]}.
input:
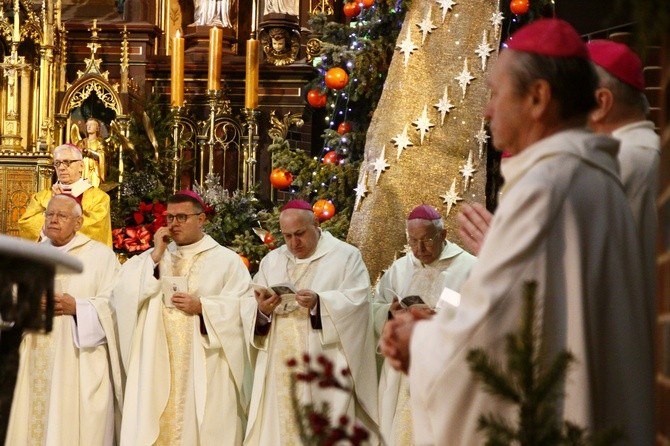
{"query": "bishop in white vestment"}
{"type": "Point", "coordinates": [432, 264]}
{"type": "Point", "coordinates": [183, 348]}
{"type": "Point", "coordinates": [69, 386]}
{"type": "Point", "coordinates": [329, 317]}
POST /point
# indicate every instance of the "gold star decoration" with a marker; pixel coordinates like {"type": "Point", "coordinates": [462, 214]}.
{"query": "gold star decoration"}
{"type": "Point", "coordinates": [426, 26]}
{"type": "Point", "coordinates": [402, 141]}
{"type": "Point", "coordinates": [467, 172]}
{"type": "Point", "coordinates": [361, 189]}
{"type": "Point", "coordinates": [407, 47]}
{"type": "Point", "coordinates": [380, 164]}
{"type": "Point", "coordinates": [423, 124]}
{"type": "Point", "coordinates": [481, 137]}
{"type": "Point", "coordinates": [444, 106]}
{"type": "Point", "coordinates": [464, 77]}
{"type": "Point", "coordinates": [446, 6]}
{"type": "Point", "coordinates": [496, 20]}
{"type": "Point", "coordinates": [484, 49]}
{"type": "Point", "coordinates": [450, 197]}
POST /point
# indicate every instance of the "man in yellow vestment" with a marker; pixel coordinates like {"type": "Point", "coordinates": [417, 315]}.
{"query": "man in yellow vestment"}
{"type": "Point", "coordinates": [69, 167]}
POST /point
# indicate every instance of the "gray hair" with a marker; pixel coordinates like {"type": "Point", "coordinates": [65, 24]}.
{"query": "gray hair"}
{"type": "Point", "coordinates": [74, 151]}
{"type": "Point", "coordinates": [623, 93]}
{"type": "Point", "coordinates": [573, 80]}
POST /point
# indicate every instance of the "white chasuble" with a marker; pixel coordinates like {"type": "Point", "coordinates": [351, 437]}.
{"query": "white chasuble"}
{"type": "Point", "coordinates": [69, 384]}
{"type": "Point", "coordinates": [184, 387]}
{"type": "Point", "coordinates": [408, 276]}
{"type": "Point", "coordinates": [337, 274]}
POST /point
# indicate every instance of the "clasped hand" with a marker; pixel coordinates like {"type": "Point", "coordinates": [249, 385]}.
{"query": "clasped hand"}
{"type": "Point", "coordinates": [187, 303]}
{"type": "Point", "coordinates": [397, 335]}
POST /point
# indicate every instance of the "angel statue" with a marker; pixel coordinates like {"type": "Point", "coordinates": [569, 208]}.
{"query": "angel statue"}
{"type": "Point", "coordinates": [94, 150]}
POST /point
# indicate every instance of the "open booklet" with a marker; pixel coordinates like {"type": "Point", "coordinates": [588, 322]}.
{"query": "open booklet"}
{"type": "Point", "coordinates": [282, 289]}
{"type": "Point", "coordinates": [409, 301]}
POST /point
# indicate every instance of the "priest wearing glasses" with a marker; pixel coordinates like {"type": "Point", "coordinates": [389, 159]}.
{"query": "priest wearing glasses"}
{"type": "Point", "coordinates": [178, 308]}
{"type": "Point", "coordinates": [95, 203]}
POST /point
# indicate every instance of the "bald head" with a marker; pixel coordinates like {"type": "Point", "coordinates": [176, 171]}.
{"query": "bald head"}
{"type": "Point", "coordinates": [300, 229]}
{"type": "Point", "coordinates": [62, 219]}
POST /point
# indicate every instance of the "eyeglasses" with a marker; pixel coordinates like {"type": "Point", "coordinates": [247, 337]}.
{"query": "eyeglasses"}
{"type": "Point", "coordinates": [65, 163]}
{"type": "Point", "coordinates": [57, 215]}
{"type": "Point", "coordinates": [425, 241]}
{"type": "Point", "coordinates": [181, 218]}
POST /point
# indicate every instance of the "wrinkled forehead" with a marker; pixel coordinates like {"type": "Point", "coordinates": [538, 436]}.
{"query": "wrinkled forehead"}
{"type": "Point", "coordinates": [60, 203]}
{"type": "Point", "coordinates": [185, 207]}
{"type": "Point", "coordinates": [295, 220]}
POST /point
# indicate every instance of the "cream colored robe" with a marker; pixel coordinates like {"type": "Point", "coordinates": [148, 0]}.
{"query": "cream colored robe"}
{"type": "Point", "coordinates": [341, 280]}
{"type": "Point", "coordinates": [215, 399]}
{"type": "Point", "coordinates": [564, 222]}
{"type": "Point", "coordinates": [73, 375]}
{"type": "Point", "coordinates": [408, 276]}
{"type": "Point", "coordinates": [639, 157]}
{"type": "Point", "coordinates": [97, 221]}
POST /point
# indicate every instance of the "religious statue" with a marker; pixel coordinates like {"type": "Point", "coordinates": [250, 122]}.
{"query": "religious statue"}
{"type": "Point", "coordinates": [213, 12]}
{"type": "Point", "coordinates": [280, 45]}
{"type": "Point", "coordinates": [290, 7]}
{"type": "Point", "coordinates": [93, 148]}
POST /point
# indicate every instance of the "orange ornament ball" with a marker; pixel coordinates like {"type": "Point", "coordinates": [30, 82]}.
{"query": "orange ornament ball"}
{"type": "Point", "coordinates": [367, 3]}
{"type": "Point", "coordinates": [245, 260]}
{"type": "Point", "coordinates": [519, 7]}
{"type": "Point", "coordinates": [331, 158]}
{"type": "Point", "coordinates": [336, 78]}
{"type": "Point", "coordinates": [280, 178]}
{"type": "Point", "coordinates": [316, 99]}
{"type": "Point", "coordinates": [344, 127]}
{"type": "Point", "coordinates": [324, 210]}
{"type": "Point", "coordinates": [352, 9]}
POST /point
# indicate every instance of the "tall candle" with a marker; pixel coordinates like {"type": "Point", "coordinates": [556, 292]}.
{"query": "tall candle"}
{"type": "Point", "coordinates": [251, 85]}
{"type": "Point", "coordinates": [177, 85]}
{"type": "Point", "coordinates": [253, 18]}
{"type": "Point", "coordinates": [215, 46]}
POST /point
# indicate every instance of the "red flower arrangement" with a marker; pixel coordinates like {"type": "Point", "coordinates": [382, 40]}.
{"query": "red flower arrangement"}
{"type": "Point", "coordinates": [137, 236]}
{"type": "Point", "coordinates": [314, 423]}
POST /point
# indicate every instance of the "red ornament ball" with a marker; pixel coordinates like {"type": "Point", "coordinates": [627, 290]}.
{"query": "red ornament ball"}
{"type": "Point", "coordinates": [336, 78]}
{"type": "Point", "coordinates": [324, 210]}
{"type": "Point", "coordinates": [519, 7]}
{"type": "Point", "coordinates": [245, 260]}
{"type": "Point", "coordinates": [352, 9]}
{"type": "Point", "coordinates": [280, 178]}
{"type": "Point", "coordinates": [344, 127]}
{"type": "Point", "coordinates": [367, 3]}
{"type": "Point", "coordinates": [331, 158]}
{"type": "Point", "coordinates": [269, 240]}
{"type": "Point", "coordinates": [316, 99]}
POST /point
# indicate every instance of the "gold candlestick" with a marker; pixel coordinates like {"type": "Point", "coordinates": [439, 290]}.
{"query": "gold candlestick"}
{"type": "Point", "coordinates": [176, 159]}
{"type": "Point", "coordinates": [250, 160]}
{"type": "Point", "coordinates": [177, 84]}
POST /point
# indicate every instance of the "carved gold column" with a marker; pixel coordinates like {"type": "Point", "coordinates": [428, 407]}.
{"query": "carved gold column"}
{"type": "Point", "coordinates": [47, 77]}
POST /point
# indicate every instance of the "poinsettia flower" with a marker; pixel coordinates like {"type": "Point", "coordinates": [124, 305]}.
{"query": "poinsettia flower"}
{"type": "Point", "coordinates": [138, 239]}
{"type": "Point", "coordinates": [118, 236]}
{"type": "Point", "coordinates": [138, 217]}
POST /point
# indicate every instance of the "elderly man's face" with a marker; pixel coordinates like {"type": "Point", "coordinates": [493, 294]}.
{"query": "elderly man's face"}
{"type": "Point", "coordinates": [61, 221]}
{"type": "Point", "coordinates": [68, 167]}
{"type": "Point", "coordinates": [300, 230]}
{"type": "Point", "coordinates": [188, 231]}
{"type": "Point", "coordinates": [507, 111]}
{"type": "Point", "coordinates": [425, 240]}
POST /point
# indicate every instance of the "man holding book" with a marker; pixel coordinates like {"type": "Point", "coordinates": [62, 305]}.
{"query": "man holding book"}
{"type": "Point", "coordinates": [432, 264]}
{"type": "Point", "coordinates": [328, 316]}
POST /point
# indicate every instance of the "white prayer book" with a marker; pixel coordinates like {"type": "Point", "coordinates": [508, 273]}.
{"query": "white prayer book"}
{"type": "Point", "coordinates": [171, 285]}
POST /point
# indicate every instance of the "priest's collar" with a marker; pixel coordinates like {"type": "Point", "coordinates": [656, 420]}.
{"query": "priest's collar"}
{"type": "Point", "coordinates": [204, 244]}
{"type": "Point", "coordinates": [448, 251]}
{"type": "Point", "coordinates": [325, 244]}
